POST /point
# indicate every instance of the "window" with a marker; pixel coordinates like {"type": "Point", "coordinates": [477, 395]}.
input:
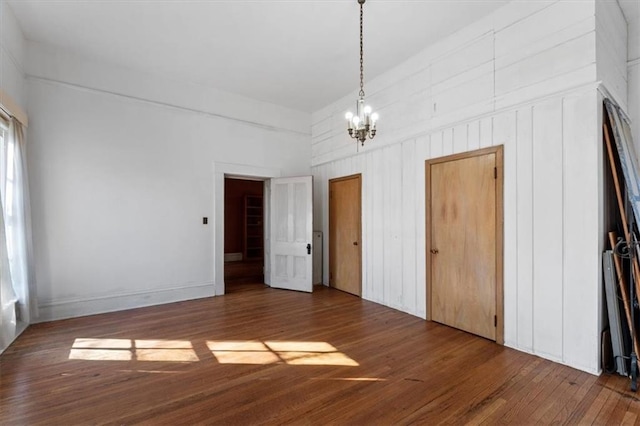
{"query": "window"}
{"type": "Point", "coordinates": [13, 194]}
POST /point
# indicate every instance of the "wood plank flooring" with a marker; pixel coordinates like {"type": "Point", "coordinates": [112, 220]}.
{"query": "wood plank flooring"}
{"type": "Point", "coordinates": [264, 356]}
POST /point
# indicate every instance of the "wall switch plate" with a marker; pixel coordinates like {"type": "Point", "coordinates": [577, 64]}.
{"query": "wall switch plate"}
{"type": "Point", "coordinates": [205, 220]}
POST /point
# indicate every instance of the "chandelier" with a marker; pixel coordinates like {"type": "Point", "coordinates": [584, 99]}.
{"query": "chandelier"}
{"type": "Point", "coordinates": [362, 124]}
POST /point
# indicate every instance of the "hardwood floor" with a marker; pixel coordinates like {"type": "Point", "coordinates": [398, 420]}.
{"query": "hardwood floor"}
{"type": "Point", "coordinates": [264, 356]}
{"type": "Point", "coordinates": [247, 271]}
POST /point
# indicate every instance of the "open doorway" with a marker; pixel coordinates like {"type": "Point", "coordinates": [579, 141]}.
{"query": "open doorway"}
{"type": "Point", "coordinates": [243, 233]}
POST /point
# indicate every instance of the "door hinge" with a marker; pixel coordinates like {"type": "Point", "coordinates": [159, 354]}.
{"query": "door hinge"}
{"type": "Point", "coordinates": [495, 320]}
{"type": "Point", "coordinates": [495, 173]}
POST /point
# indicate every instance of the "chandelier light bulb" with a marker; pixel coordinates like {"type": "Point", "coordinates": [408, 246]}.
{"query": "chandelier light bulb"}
{"type": "Point", "coordinates": [349, 117]}
{"type": "Point", "coordinates": [374, 117]}
{"type": "Point", "coordinates": [356, 120]}
{"type": "Point", "coordinates": [367, 110]}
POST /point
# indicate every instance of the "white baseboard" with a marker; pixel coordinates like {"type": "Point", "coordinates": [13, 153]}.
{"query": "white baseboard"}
{"type": "Point", "coordinates": [596, 371]}
{"type": "Point", "coordinates": [61, 309]}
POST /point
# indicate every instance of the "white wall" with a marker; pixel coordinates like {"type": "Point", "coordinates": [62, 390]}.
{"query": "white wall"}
{"type": "Point", "coordinates": [122, 173]}
{"type": "Point", "coordinates": [524, 77]}
{"type": "Point", "coordinates": [12, 54]}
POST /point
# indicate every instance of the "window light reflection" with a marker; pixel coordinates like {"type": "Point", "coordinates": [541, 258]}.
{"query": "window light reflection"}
{"type": "Point", "coordinates": [278, 352]}
{"type": "Point", "coordinates": [128, 350]}
{"type": "Point", "coordinates": [225, 352]}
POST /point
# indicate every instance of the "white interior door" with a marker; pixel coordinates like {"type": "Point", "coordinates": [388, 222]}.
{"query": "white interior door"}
{"type": "Point", "coordinates": [292, 233]}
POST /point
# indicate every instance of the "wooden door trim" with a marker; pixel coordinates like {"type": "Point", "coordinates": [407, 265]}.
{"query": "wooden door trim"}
{"type": "Point", "coordinates": [354, 176]}
{"type": "Point", "coordinates": [358, 177]}
{"type": "Point", "coordinates": [498, 151]}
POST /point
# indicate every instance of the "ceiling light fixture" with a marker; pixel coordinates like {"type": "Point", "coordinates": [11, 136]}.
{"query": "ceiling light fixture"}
{"type": "Point", "coordinates": [363, 123]}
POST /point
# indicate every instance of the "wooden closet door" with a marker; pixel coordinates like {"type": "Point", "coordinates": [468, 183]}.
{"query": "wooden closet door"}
{"type": "Point", "coordinates": [463, 249]}
{"type": "Point", "coordinates": [344, 234]}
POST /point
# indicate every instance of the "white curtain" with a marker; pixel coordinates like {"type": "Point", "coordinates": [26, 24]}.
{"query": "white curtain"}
{"type": "Point", "coordinates": [8, 296]}
{"type": "Point", "coordinates": [15, 239]}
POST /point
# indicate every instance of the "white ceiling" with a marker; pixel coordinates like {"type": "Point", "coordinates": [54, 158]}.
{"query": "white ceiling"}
{"type": "Point", "coordinates": [302, 54]}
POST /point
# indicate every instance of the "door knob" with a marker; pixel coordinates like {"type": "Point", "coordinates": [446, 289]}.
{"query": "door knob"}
{"type": "Point", "coordinates": [308, 248]}
{"type": "Point", "coordinates": [355, 243]}
{"type": "Point", "coordinates": [434, 251]}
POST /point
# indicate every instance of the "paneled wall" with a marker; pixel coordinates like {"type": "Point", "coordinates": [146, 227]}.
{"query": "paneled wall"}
{"type": "Point", "coordinates": [524, 78]}
{"type": "Point", "coordinates": [524, 51]}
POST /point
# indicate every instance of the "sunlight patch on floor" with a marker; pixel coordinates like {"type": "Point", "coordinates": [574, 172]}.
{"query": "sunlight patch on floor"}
{"type": "Point", "coordinates": [225, 352]}
{"type": "Point", "coordinates": [278, 352]}
{"type": "Point", "coordinates": [351, 379]}
{"type": "Point", "coordinates": [151, 371]}
{"type": "Point", "coordinates": [100, 354]}
{"type": "Point", "coordinates": [129, 349]}
{"type": "Point", "coordinates": [102, 343]}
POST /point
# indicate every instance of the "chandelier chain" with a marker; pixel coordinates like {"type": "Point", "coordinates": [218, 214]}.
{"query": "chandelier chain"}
{"type": "Point", "coordinates": [361, 55]}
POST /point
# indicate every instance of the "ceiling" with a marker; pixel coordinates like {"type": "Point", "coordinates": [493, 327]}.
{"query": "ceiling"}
{"type": "Point", "coordinates": [302, 54]}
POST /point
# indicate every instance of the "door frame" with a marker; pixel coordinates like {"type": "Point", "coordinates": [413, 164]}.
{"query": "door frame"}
{"type": "Point", "coordinates": [241, 171]}
{"type": "Point", "coordinates": [357, 176]}
{"type": "Point", "coordinates": [499, 153]}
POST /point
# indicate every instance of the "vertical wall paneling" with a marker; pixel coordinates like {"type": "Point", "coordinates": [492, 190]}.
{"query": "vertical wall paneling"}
{"type": "Point", "coordinates": [366, 220]}
{"type": "Point", "coordinates": [409, 234]}
{"type": "Point", "coordinates": [524, 219]}
{"type": "Point", "coordinates": [504, 128]}
{"type": "Point", "coordinates": [377, 234]}
{"type": "Point", "coordinates": [460, 138]}
{"type": "Point", "coordinates": [447, 141]}
{"type": "Point", "coordinates": [548, 247]}
{"type": "Point", "coordinates": [366, 225]}
{"type": "Point", "coordinates": [392, 226]}
{"type": "Point", "coordinates": [486, 132]}
{"type": "Point", "coordinates": [436, 145]}
{"type": "Point", "coordinates": [473, 135]}
{"type": "Point", "coordinates": [422, 154]}
{"type": "Point", "coordinates": [580, 158]}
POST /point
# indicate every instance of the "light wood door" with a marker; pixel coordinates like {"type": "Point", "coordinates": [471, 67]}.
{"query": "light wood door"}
{"type": "Point", "coordinates": [344, 234]}
{"type": "Point", "coordinates": [464, 245]}
{"type": "Point", "coordinates": [291, 233]}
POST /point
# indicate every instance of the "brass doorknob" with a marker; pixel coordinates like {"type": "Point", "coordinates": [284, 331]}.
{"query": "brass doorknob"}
{"type": "Point", "coordinates": [434, 251]}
